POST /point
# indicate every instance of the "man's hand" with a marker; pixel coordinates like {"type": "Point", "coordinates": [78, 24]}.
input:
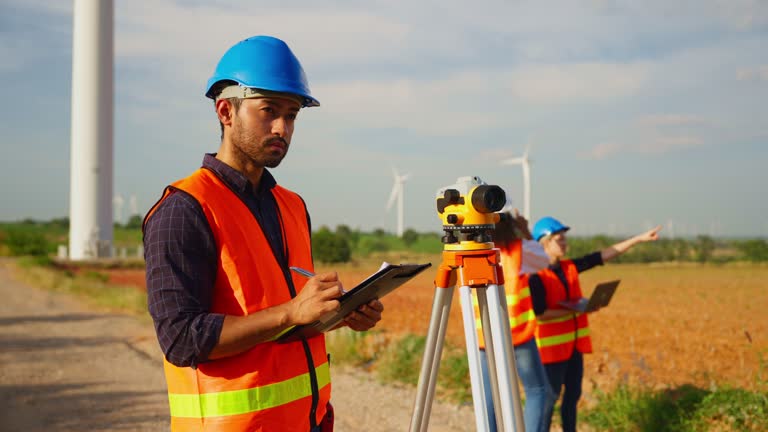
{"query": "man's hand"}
{"type": "Point", "coordinates": [365, 317]}
{"type": "Point", "coordinates": [318, 297]}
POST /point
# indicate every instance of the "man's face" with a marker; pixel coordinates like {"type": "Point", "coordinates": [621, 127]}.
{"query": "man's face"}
{"type": "Point", "coordinates": [262, 129]}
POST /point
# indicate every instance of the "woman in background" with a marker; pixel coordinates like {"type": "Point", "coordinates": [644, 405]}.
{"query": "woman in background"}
{"type": "Point", "coordinates": [562, 335]}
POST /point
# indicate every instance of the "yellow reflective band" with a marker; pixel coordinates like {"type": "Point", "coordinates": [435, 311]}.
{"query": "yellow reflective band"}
{"type": "Point", "coordinates": [511, 298]}
{"type": "Point", "coordinates": [248, 400]}
{"type": "Point", "coordinates": [557, 320]}
{"type": "Point", "coordinates": [561, 339]}
{"type": "Point", "coordinates": [525, 292]}
{"type": "Point", "coordinates": [277, 336]}
{"type": "Point", "coordinates": [522, 318]}
{"type": "Point", "coordinates": [513, 321]}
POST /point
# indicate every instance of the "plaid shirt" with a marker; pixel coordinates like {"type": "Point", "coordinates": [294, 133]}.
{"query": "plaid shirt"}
{"type": "Point", "coordinates": [181, 262]}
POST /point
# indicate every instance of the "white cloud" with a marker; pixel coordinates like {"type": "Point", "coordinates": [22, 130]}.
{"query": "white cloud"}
{"type": "Point", "coordinates": [666, 144]}
{"type": "Point", "coordinates": [671, 120]}
{"type": "Point", "coordinates": [603, 151]}
{"type": "Point", "coordinates": [469, 100]}
{"type": "Point", "coordinates": [758, 73]}
{"type": "Point", "coordinates": [653, 146]}
{"type": "Point", "coordinates": [577, 83]}
{"type": "Point", "coordinates": [318, 35]}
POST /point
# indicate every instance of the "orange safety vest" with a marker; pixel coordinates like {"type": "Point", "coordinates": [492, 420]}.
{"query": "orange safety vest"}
{"type": "Point", "coordinates": [272, 386]}
{"type": "Point", "coordinates": [557, 338]}
{"type": "Point", "coordinates": [522, 320]}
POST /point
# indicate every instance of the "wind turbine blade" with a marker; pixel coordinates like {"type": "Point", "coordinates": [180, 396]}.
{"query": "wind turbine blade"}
{"type": "Point", "coordinates": [395, 174]}
{"type": "Point", "coordinates": [392, 196]}
{"type": "Point", "coordinates": [404, 177]}
{"type": "Point", "coordinates": [513, 161]}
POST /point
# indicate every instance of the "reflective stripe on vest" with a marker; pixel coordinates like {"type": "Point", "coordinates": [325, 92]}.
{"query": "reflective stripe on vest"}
{"type": "Point", "coordinates": [248, 400]}
{"type": "Point", "coordinates": [269, 384]}
{"type": "Point", "coordinates": [557, 338]}
{"type": "Point", "coordinates": [560, 339]}
{"type": "Point", "coordinates": [522, 320]}
{"type": "Point", "coordinates": [514, 321]}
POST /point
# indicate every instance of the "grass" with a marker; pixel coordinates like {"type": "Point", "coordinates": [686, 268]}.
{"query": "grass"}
{"type": "Point", "coordinates": [686, 409]}
{"type": "Point", "coordinates": [91, 286]}
{"type": "Point", "coordinates": [629, 407]}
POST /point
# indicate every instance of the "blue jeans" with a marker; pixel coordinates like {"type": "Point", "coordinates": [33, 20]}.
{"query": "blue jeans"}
{"type": "Point", "coordinates": [567, 373]}
{"type": "Point", "coordinates": [539, 398]}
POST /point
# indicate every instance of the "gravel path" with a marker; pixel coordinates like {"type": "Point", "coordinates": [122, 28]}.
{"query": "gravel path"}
{"type": "Point", "coordinates": [66, 367]}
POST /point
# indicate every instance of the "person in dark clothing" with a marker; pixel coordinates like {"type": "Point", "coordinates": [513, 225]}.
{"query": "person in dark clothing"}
{"type": "Point", "coordinates": [562, 335]}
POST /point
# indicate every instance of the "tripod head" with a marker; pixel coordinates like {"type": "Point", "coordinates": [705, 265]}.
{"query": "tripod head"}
{"type": "Point", "coordinates": [468, 210]}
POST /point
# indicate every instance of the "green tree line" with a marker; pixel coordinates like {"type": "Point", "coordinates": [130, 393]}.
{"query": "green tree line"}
{"type": "Point", "coordinates": [343, 244]}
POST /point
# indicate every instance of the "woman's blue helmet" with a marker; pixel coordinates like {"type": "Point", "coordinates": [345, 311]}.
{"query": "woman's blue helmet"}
{"type": "Point", "coordinates": [266, 63]}
{"type": "Point", "coordinates": [546, 226]}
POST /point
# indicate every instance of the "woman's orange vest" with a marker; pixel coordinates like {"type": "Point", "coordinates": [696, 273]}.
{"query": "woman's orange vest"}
{"type": "Point", "coordinates": [271, 387]}
{"type": "Point", "coordinates": [522, 320]}
{"type": "Point", "coordinates": [557, 338]}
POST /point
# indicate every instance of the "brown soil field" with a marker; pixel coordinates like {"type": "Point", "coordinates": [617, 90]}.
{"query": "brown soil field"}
{"type": "Point", "coordinates": [667, 325]}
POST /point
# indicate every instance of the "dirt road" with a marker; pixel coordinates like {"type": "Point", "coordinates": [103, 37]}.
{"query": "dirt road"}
{"type": "Point", "coordinates": [67, 367]}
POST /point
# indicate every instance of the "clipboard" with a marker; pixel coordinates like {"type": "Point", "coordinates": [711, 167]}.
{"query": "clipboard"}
{"type": "Point", "coordinates": [600, 297]}
{"type": "Point", "coordinates": [376, 286]}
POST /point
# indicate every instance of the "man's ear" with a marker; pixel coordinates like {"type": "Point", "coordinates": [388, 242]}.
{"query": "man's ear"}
{"type": "Point", "coordinates": [225, 111]}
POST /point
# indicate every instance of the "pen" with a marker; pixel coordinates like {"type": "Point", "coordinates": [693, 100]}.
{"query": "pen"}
{"type": "Point", "coordinates": [302, 272]}
{"type": "Point", "coordinates": [308, 273]}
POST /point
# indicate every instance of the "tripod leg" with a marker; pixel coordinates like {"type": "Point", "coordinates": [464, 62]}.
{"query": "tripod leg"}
{"type": "Point", "coordinates": [506, 371]}
{"type": "Point", "coordinates": [425, 392]}
{"type": "Point", "coordinates": [482, 302]}
{"type": "Point", "coordinates": [473, 357]}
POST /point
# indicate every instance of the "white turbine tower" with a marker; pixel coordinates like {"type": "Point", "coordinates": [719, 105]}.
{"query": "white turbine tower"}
{"type": "Point", "coordinates": [397, 192]}
{"type": "Point", "coordinates": [118, 202]}
{"type": "Point", "coordinates": [526, 164]}
{"type": "Point", "coordinates": [91, 160]}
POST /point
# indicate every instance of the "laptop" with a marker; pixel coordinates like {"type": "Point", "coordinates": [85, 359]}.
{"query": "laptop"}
{"type": "Point", "coordinates": [600, 297]}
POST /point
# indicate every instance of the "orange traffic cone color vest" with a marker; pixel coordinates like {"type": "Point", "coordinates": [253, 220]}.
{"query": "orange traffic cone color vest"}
{"type": "Point", "coordinates": [522, 320]}
{"type": "Point", "coordinates": [558, 337]}
{"type": "Point", "coordinates": [272, 386]}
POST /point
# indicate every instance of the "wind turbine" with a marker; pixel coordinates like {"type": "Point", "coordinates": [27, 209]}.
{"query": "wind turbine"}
{"type": "Point", "coordinates": [526, 164]}
{"type": "Point", "coordinates": [133, 205]}
{"type": "Point", "coordinates": [118, 202]}
{"type": "Point", "coordinates": [397, 192]}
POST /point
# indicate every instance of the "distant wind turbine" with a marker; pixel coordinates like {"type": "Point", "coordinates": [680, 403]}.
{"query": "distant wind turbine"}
{"type": "Point", "coordinates": [397, 193]}
{"type": "Point", "coordinates": [118, 202]}
{"type": "Point", "coordinates": [133, 205]}
{"type": "Point", "coordinates": [526, 164]}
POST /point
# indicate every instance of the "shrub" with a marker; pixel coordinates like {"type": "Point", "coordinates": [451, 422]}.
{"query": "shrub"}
{"type": "Point", "coordinates": [24, 242]}
{"type": "Point", "coordinates": [329, 247]}
{"type": "Point", "coordinates": [754, 250]}
{"type": "Point", "coordinates": [410, 237]}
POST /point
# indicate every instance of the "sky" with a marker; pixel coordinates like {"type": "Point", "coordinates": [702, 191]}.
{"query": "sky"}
{"type": "Point", "coordinates": [635, 114]}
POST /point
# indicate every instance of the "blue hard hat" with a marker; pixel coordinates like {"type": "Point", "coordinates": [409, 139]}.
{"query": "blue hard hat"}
{"type": "Point", "coordinates": [266, 63]}
{"type": "Point", "coordinates": [546, 226]}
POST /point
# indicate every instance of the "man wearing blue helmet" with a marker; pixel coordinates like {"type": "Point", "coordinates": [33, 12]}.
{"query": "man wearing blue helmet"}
{"type": "Point", "coordinates": [219, 246]}
{"type": "Point", "coordinates": [563, 335]}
